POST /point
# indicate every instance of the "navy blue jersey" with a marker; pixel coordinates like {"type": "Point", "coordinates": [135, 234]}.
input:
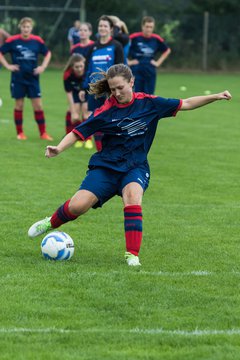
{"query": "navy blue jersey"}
{"type": "Point", "coordinates": [24, 52]}
{"type": "Point", "coordinates": [82, 49]}
{"type": "Point", "coordinates": [144, 49]}
{"type": "Point", "coordinates": [129, 129]}
{"type": "Point", "coordinates": [102, 56]}
{"type": "Point", "coordinates": [71, 82]}
{"type": "Point", "coordinates": [73, 35]}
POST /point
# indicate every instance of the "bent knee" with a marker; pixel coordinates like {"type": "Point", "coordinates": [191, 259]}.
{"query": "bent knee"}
{"type": "Point", "coordinates": [131, 198]}
{"type": "Point", "coordinates": [77, 208]}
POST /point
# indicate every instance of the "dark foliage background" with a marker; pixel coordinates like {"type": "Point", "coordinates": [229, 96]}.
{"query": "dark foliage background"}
{"type": "Point", "coordinates": [179, 22]}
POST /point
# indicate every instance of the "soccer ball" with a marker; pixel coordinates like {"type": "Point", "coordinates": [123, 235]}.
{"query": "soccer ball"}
{"type": "Point", "coordinates": [57, 245]}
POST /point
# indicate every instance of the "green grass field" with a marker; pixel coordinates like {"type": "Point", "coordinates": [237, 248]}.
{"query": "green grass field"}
{"type": "Point", "coordinates": [184, 301]}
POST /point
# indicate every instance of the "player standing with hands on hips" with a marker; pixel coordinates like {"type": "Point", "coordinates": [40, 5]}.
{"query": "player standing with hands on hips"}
{"type": "Point", "coordinates": [24, 50]}
{"type": "Point", "coordinates": [144, 58]}
{"type": "Point", "coordinates": [129, 121]}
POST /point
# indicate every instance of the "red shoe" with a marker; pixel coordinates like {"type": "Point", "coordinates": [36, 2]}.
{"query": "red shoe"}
{"type": "Point", "coordinates": [45, 136]}
{"type": "Point", "coordinates": [21, 136]}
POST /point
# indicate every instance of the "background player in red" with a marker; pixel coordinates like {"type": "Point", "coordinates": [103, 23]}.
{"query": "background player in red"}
{"type": "Point", "coordinates": [129, 121]}
{"type": "Point", "coordinates": [78, 110]}
{"type": "Point", "coordinates": [144, 49]}
{"type": "Point", "coordinates": [25, 49]}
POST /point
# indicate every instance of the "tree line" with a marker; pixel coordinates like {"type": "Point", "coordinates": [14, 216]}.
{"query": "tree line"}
{"type": "Point", "coordinates": [179, 22]}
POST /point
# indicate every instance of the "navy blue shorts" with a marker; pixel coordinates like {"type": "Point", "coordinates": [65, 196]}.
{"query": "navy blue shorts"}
{"type": "Point", "coordinates": [145, 78]}
{"type": "Point", "coordinates": [76, 99]}
{"type": "Point", "coordinates": [21, 90]}
{"type": "Point", "coordinates": [106, 183]}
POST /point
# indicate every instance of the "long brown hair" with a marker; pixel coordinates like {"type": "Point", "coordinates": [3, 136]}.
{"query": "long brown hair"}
{"type": "Point", "coordinates": [74, 58]}
{"type": "Point", "coordinates": [99, 86]}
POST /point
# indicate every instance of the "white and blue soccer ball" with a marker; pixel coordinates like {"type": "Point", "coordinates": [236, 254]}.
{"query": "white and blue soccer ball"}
{"type": "Point", "coordinates": [57, 245]}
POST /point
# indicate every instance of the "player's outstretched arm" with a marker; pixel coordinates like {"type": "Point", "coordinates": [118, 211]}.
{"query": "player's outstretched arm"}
{"type": "Point", "coordinates": [198, 101]}
{"type": "Point", "coordinates": [64, 144]}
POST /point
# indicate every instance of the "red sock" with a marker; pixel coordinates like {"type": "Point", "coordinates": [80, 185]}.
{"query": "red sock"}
{"type": "Point", "coordinates": [133, 228]}
{"type": "Point", "coordinates": [68, 122]}
{"type": "Point", "coordinates": [18, 119]}
{"type": "Point", "coordinates": [62, 215]}
{"type": "Point", "coordinates": [40, 119]}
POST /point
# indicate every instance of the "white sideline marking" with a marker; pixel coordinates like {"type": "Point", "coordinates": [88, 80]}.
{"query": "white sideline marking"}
{"type": "Point", "coordinates": [196, 332]}
{"type": "Point", "coordinates": [28, 330]}
{"type": "Point", "coordinates": [214, 206]}
{"type": "Point", "coordinates": [167, 273]}
{"type": "Point", "coordinates": [197, 273]}
{"type": "Point", "coordinates": [156, 273]}
{"type": "Point", "coordinates": [163, 273]}
{"type": "Point", "coordinates": [4, 121]}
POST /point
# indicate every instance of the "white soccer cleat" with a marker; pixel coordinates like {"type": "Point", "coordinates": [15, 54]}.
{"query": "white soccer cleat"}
{"type": "Point", "coordinates": [132, 260]}
{"type": "Point", "coordinates": [40, 227]}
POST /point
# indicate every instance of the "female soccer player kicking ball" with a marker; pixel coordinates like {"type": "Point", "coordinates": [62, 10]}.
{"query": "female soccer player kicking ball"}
{"type": "Point", "coordinates": [129, 122]}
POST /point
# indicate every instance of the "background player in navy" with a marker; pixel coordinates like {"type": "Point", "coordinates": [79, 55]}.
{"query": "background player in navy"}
{"type": "Point", "coordinates": [104, 53]}
{"type": "Point", "coordinates": [144, 49]}
{"type": "Point", "coordinates": [25, 49]}
{"type": "Point", "coordinates": [129, 121]}
{"type": "Point", "coordinates": [73, 33]}
{"type": "Point", "coordinates": [78, 110]}
{"type": "Point", "coordinates": [85, 43]}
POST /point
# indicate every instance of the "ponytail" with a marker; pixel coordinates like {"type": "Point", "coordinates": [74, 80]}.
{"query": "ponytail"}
{"type": "Point", "coordinates": [99, 86]}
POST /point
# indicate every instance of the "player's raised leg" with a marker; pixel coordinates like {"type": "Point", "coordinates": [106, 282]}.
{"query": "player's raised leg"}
{"type": "Point", "coordinates": [80, 203]}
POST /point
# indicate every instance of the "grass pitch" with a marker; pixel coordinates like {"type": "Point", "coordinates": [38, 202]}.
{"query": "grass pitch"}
{"type": "Point", "coordinates": [184, 301]}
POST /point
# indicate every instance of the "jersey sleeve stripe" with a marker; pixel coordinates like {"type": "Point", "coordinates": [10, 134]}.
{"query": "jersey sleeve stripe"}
{"type": "Point", "coordinates": [156, 36]}
{"type": "Point", "coordinates": [106, 106]}
{"type": "Point", "coordinates": [78, 134]}
{"type": "Point", "coordinates": [67, 74]}
{"type": "Point", "coordinates": [37, 38]}
{"type": "Point", "coordinates": [178, 108]}
{"type": "Point", "coordinates": [13, 38]}
{"type": "Point", "coordinates": [134, 35]}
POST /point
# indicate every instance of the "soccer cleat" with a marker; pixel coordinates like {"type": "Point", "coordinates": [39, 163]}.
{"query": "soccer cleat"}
{"type": "Point", "coordinates": [132, 260]}
{"type": "Point", "coordinates": [45, 136]}
{"type": "Point", "coordinates": [88, 144]}
{"type": "Point", "coordinates": [78, 144]}
{"type": "Point", "coordinates": [40, 227]}
{"type": "Point", "coordinates": [21, 136]}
